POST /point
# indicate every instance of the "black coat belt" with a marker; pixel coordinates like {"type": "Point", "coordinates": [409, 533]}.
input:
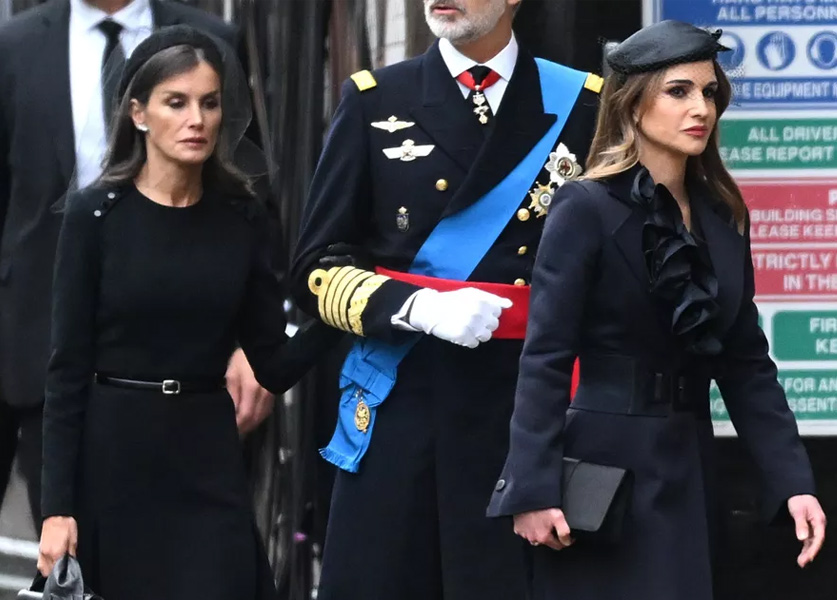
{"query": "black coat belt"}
{"type": "Point", "coordinates": [628, 385]}
{"type": "Point", "coordinates": [170, 387]}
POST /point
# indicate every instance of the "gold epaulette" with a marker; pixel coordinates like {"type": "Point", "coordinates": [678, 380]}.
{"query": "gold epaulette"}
{"type": "Point", "coordinates": [342, 295]}
{"type": "Point", "coordinates": [364, 80]}
{"type": "Point", "coordinates": [594, 83]}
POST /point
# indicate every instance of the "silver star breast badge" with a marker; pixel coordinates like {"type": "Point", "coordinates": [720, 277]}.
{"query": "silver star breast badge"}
{"type": "Point", "coordinates": [562, 166]}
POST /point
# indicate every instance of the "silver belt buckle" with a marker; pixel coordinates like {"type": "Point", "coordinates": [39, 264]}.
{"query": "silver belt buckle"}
{"type": "Point", "coordinates": [171, 387]}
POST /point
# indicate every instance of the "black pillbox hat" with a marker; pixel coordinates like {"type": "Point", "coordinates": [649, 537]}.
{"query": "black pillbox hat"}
{"type": "Point", "coordinates": [663, 45]}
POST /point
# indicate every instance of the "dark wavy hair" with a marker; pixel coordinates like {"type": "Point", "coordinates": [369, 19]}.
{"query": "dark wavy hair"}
{"type": "Point", "coordinates": [127, 154]}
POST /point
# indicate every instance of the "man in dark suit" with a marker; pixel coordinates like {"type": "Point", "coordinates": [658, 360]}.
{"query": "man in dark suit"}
{"type": "Point", "coordinates": [52, 136]}
{"type": "Point", "coordinates": [419, 238]}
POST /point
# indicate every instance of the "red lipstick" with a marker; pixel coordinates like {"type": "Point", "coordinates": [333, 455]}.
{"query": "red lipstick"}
{"type": "Point", "coordinates": [697, 131]}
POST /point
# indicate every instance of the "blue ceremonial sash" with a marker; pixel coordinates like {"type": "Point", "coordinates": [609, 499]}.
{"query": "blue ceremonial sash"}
{"type": "Point", "coordinates": [452, 251]}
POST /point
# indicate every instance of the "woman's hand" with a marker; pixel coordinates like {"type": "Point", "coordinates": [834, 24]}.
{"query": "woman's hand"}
{"type": "Point", "coordinates": [546, 527]}
{"type": "Point", "coordinates": [59, 536]}
{"type": "Point", "coordinates": [810, 526]}
{"type": "Point", "coordinates": [253, 403]}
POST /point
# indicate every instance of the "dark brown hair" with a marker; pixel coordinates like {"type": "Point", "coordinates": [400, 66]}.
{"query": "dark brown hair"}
{"type": "Point", "coordinates": [614, 149]}
{"type": "Point", "coordinates": [127, 152]}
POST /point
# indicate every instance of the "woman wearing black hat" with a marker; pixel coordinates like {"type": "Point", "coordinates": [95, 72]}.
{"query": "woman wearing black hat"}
{"type": "Point", "coordinates": [162, 268]}
{"type": "Point", "coordinates": [644, 272]}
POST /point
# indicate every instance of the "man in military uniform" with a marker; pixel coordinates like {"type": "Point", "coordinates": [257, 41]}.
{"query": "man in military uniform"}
{"type": "Point", "coordinates": [419, 238]}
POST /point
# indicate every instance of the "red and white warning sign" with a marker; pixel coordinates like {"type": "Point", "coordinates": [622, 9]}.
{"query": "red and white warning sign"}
{"type": "Point", "coordinates": [793, 231]}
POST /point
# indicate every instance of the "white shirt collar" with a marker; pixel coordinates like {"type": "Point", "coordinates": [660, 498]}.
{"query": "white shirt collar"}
{"type": "Point", "coordinates": [503, 63]}
{"type": "Point", "coordinates": [134, 17]}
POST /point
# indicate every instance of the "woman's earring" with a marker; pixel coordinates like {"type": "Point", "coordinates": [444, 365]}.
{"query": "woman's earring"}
{"type": "Point", "coordinates": [142, 127]}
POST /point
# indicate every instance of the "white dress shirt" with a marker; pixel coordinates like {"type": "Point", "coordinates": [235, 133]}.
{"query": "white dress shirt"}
{"type": "Point", "coordinates": [503, 64]}
{"type": "Point", "coordinates": [87, 47]}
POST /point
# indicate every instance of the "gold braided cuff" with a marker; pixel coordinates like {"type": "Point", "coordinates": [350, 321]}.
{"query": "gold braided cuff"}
{"type": "Point", "coordinates": [342, 295]}
{"type": "Point", "coordinates": [360, 299]}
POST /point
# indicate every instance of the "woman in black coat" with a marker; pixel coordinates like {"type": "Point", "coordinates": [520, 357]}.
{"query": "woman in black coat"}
{"type": "Point", "coordinates": [162, 269]}
{"type": "Point", "coordinates": [644, 273]}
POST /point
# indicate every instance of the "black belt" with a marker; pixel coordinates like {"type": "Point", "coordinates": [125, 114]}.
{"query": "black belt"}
{"type": "Point", "coordinates": [631, 386]}
{"type": "Point", "coordinates": [170, 387]}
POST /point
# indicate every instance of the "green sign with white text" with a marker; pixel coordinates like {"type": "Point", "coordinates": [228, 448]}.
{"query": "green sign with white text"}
{"type": "Point", "coordinates": [779, 143]}
{"type": "Point", "coordinates": [805, 335]}
{"type": "Point", "coordinates": [812, 395]}
{"type": "Point", "coordinates": [779, 140]}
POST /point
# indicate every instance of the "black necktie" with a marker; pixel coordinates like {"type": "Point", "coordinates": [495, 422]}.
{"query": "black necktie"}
{"type": "Point", "coordinates": [479, 73]}
{"type": "Point", "coordinates": [113, 60]}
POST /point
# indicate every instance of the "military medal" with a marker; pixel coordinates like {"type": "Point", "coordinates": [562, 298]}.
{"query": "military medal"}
{"type": "Point", "coordinates": [402, 220]}
{"type": "Point", "coordinates": [541, 199]}
{"type": "Point", "coordinates": [478, 79]}
{"type": "Point", "coordinates": [480, 108]}
{"type": "Point", "coordinates": [362, 415]}
{"type": "Point", "coordinates": [562, 167]}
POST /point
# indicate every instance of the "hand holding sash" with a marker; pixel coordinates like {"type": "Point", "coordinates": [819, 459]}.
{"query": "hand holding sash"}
{"type": "Point", "coordinates": [465, 317]}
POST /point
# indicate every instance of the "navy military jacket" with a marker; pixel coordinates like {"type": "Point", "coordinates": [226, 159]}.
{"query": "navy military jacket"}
{"type": "Point", "coordinates": [384, 208]}
{"type": "Point", "coordinates": [411, 523]}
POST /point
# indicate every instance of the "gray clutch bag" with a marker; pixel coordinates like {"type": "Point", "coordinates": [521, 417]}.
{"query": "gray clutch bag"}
{"type": "Point", "coordinates": [64, 583]}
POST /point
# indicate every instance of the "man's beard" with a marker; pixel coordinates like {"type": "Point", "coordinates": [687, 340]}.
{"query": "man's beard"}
{"type": "Point", "coordinates": [466, 27]}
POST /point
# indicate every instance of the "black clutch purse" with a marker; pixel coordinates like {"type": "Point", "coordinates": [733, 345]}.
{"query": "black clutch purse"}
{"type": "Point", "coordinates": [596, 500]}
{"type": "Point", "coordinates": [64, 583]}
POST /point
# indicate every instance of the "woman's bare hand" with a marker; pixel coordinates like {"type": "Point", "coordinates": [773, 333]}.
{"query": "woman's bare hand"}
{"type": "Point", "coordinates": [59, 536]}
{"type": "Point", "coordinates": [546, 527]}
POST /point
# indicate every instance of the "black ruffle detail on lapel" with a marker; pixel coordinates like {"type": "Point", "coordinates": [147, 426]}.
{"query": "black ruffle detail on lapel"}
{"type": "Point", "coordinates": [682, 279]}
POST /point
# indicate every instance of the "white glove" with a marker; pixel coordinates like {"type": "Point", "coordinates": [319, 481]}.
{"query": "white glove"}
{"type": "Point", "coordinates": [465, 317]}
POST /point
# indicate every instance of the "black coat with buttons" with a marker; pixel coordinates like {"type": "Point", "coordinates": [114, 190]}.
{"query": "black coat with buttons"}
{"type": "Point", "coordinates": [643, 401]}
{"type": "Point", "coordinates": [156, 481]}
{"type": "Point", "coordinates": [441, 436]}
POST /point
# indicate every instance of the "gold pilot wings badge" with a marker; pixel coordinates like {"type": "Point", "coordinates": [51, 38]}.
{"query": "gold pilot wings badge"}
{"type": "Point", "coordinates": [408, 151]}
{"type": "Point", "coordinates": [392, 124]}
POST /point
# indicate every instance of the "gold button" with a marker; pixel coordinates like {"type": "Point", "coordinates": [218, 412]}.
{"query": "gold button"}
{"type": "Point", "coordinates": [522, 250]}
{"type": "Point", "coordinates": [442, 185]}
{"type": "Point", "coordinates": [523, 214]}
{"type": "Point", "coordinates": [520, 282]}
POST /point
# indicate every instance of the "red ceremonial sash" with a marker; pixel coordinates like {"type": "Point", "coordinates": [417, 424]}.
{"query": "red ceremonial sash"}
{"type": "Point", "coordinates": [512, 320]}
